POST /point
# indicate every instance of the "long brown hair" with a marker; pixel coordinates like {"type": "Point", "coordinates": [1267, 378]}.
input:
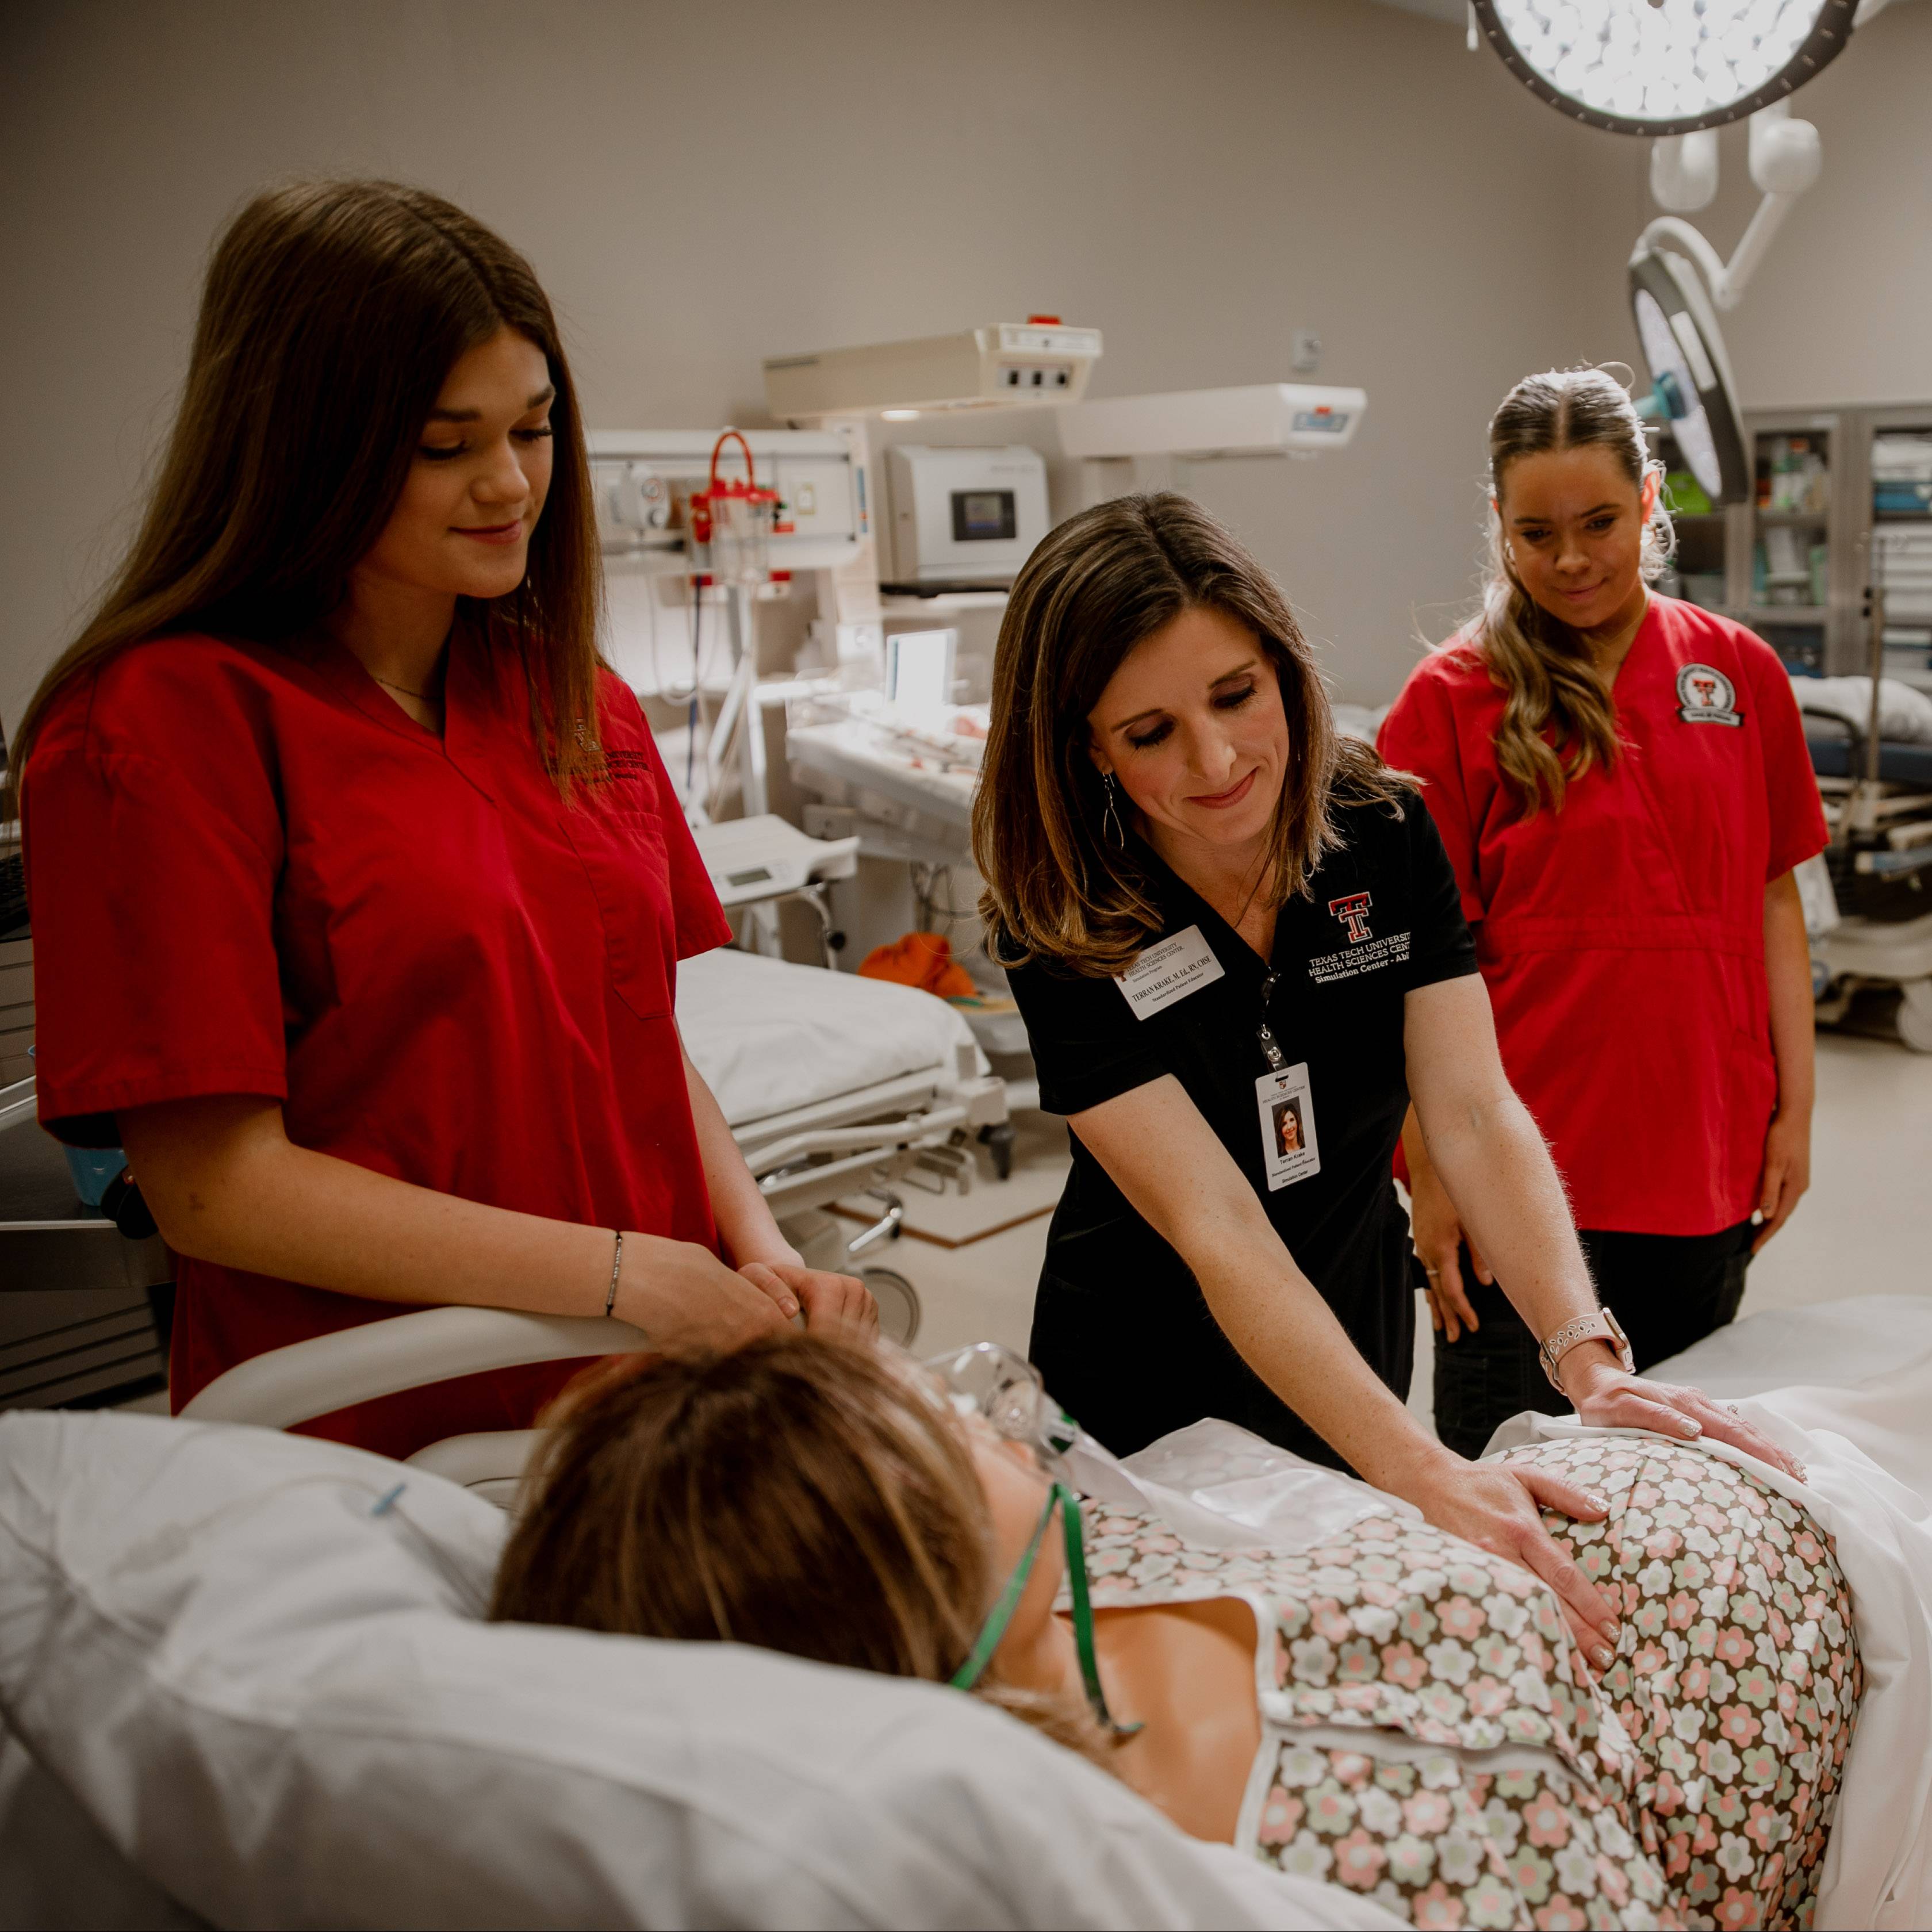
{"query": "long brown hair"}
{"type": "Point", "coordinates": [800, 1494]}
{"type": "Point", "coordinates": [332, 313]}
{"type": "Point", "coordinates": [1558, 717]}
{"type": "Point", "coordinates": [1058, 889]}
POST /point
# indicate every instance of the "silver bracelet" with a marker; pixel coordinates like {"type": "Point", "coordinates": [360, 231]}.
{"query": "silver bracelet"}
{"type": "Point", "coordinates": [616, 1264]}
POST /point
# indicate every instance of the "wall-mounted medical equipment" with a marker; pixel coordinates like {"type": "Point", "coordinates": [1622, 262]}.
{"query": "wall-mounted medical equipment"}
{"type": "Point", "coordinates": [1666, 67]}
{"type": "Point", "coordinates": [1005, 364]}
{"type": "Point", "coordinates": [719, 515]}
{"type": "Point", "coordinates": [643, 481]}
{"type": "Point", "coordinates": [962, 517]}
{"type": "Point", "coordinates": [731, 520]}
{"type": "Point", "coordinates": [1261, 419]}
{"type": "Point", "coordinates": [1157, 433]}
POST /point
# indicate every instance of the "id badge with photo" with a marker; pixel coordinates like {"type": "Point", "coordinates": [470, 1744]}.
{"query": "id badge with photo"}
{"type": "Point", "coordinates": [1289, 1151]}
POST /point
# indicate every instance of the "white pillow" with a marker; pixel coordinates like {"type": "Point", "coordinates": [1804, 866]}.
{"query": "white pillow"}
{"type": "Point", "coordinates": [260, 1672]}
{"type": "Point", "coordinates": [58, 1873]}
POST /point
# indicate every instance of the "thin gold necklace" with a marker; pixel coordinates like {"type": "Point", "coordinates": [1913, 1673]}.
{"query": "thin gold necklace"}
{"type": "Point", "coordinates": [391, 684]}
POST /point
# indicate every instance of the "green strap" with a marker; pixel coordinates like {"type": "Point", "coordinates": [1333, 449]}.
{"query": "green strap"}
{"type": "Point", "coordinates": [994, 1629]}
{"type": "Point", "coordinates": [1083, 1617]}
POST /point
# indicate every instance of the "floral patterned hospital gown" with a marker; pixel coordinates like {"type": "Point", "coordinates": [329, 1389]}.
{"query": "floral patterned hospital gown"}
{"type": "Point", "coordinates": [1429, 1739]}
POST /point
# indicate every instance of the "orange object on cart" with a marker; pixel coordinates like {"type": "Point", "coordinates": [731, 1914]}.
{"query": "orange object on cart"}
{"type": "Point", "coordinates": [921, 959]}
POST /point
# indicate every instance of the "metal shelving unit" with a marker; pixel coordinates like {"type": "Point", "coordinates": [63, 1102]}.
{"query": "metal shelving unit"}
{"type": "Point", "coordinates": [1909, 609]}
{"type": "Point", "coordinates": [1827, 638]}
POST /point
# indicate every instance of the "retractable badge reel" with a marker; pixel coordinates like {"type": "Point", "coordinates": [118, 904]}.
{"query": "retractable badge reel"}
{"type": "Point", "coordinates": [1286, 1108]}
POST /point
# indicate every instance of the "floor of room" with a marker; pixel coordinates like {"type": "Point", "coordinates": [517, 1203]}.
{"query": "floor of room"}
{"type": "Point", "coordinates": [1860, 1230]}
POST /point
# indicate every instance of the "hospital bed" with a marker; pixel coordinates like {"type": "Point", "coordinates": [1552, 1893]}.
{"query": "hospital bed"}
{"type": "Point", "coordinates": [834, 1086]}
{"type": "Point", "coordinates": [1880, 930]}
{"type": "Point", "coordinates": [246, 1678]}
{"type": "Point", "coordinates": [906, 791]}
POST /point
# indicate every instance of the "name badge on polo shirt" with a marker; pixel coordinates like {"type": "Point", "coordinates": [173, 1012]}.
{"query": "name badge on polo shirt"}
{"type": "Point", "coordinates": [1169, 970]}
{"type": "Point", "coordinates": [1705, 696]}
{"type": "Point", "coordinates": [1289, 1151]}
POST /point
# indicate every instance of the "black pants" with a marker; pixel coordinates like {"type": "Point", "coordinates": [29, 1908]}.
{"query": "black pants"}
{"type": "Point", "coordinates": [1667, 1290]}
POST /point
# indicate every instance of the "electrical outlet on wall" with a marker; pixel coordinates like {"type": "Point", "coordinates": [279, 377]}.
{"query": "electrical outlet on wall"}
{"type": "Point", "coordinates": [1307, 356]}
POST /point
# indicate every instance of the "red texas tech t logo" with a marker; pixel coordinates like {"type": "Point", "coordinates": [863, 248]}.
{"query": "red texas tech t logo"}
{"type": "Point", "coordinates": [1353, 912]}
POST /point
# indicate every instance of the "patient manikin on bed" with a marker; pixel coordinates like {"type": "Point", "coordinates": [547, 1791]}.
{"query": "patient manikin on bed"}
{"type": "Point", "coordinates": [253, 1675]}
{"type": "Point", "coordinates": [251, 1665]}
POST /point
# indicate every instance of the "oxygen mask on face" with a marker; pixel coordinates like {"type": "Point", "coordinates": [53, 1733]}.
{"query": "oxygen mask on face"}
{"type": "Point", "coordinates": [1001, 1390]}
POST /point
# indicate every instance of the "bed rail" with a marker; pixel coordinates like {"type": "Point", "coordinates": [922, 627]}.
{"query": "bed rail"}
{"type": "Point", "coordinates": [327, 1372]}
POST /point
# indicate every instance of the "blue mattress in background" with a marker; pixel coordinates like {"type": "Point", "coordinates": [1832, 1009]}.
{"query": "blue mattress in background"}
{"type": "Point", "coordinates": [1831, 756]}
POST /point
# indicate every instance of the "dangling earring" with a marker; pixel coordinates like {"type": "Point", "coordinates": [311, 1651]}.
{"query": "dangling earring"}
{"type": "Point", "coordinates": [1111, 818]}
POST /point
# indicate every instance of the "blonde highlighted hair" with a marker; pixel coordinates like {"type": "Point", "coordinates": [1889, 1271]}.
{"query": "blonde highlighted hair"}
{"type": "Point", "coordinates": [800, 1494]}
{"type": "Point", "coordinates": [1558, 717]}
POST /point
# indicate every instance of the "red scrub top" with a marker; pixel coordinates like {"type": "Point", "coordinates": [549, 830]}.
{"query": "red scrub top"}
{"type": "Point", "coordinates": [250, 872]}
{"type": "Point", "coordinates": [1622, 937]}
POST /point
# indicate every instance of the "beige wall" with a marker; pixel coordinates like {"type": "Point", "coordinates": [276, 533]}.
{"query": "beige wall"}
{"type": "Point", "coordinates": [700, 187]}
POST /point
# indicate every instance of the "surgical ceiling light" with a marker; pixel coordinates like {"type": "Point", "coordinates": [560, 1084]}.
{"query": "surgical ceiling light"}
{"type": "Point", "coordinates": [1678, 283]}
{"type": "Point", "coordinates": [1691, 377]}
{"type": "Point", "coordinates": [1664, 67]}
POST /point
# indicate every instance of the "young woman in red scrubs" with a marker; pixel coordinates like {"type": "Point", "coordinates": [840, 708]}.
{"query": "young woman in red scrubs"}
{"type": "Point", "coordinates": [1622, 783]}
{"type": "Point", "coordinates": [358, 886]}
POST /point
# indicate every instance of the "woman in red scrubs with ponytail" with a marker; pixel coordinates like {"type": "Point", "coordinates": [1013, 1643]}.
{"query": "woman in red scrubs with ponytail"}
{"type": "Point", "coordinates": [357, 884]}
{"type": "Point", "coordinates": [1622, 783]}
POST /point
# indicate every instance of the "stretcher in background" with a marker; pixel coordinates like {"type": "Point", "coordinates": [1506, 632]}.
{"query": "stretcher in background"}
{"type": "Point", "coordinates": [834, 1086]}
{"type": "Point", "coordinates": [1871, 920]}
{"type": "Point", "coordinates": [903, 787]}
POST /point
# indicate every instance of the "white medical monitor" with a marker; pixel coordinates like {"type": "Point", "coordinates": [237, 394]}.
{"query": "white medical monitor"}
{"type": "Point", "coordinates": [963, 516]}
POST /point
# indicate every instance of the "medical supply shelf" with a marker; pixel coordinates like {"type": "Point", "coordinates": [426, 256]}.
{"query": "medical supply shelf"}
{"type": "Point", "coordinates": [1729, 560]}
{"type": "Point", "coordinates": [1901, 542]}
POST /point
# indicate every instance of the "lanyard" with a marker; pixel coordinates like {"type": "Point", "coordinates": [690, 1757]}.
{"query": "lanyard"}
{"type": "Point", "coordinates": [1276, 1059]}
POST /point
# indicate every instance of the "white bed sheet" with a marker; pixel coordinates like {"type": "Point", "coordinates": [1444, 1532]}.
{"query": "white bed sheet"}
{"type": "Point", "coordinates": [769, 1036]}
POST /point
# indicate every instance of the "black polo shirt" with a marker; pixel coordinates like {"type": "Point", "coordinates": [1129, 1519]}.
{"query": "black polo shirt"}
{"type": "Point", "coordinates": [1121, 1332]}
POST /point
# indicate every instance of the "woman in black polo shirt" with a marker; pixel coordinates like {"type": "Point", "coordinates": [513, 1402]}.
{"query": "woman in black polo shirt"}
{"type": "Point", "coordinates": [1214, 910]}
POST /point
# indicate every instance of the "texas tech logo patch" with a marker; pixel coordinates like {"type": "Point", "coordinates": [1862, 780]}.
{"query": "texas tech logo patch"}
{"type": "Point", "coordinates": [1706, 696]}
{"type": "Point", "coordinates": [1353, 912]}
